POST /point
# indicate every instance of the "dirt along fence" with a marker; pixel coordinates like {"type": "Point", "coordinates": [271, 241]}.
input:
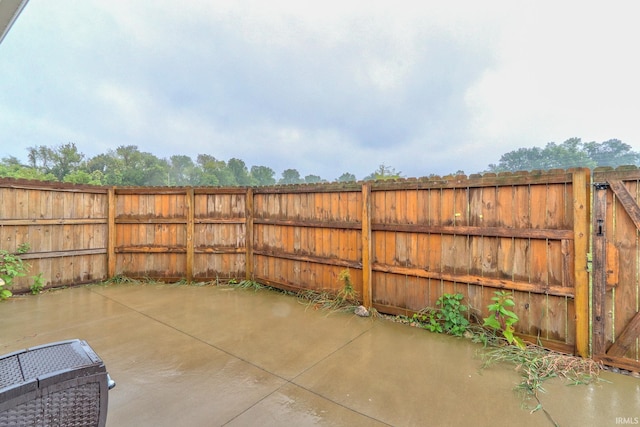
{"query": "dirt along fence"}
{"type": "Point", "coordinates": [405, 243]}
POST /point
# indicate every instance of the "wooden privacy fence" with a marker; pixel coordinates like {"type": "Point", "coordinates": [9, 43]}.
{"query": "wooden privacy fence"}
{"type": "Point", "coordinates": [405, 243]}
{"type": "Point", "coordinates": [178, 233]}
{"type": "Point", "coordinates": [65, 226]}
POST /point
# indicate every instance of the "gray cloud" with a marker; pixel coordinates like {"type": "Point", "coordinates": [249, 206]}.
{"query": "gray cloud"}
{"type": "Point", "coordinates": [323, 88]}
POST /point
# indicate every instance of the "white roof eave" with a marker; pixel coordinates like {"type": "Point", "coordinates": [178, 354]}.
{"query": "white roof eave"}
{"type": "Point", "coordinates": [9, 11]}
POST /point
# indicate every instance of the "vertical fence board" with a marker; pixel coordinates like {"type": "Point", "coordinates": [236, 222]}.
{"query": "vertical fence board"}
{"type": "Point", "coordinates": [249, 236]}
{"type": "Point", "coordinates": [367, 286]}
{"type": "Point", "coordinates": [623, 298]}
{"type": "Point", "coordinates": [189, 238]}
{"type": "Point", "coordinates": [111, 234]}
{"type": "Point", "coordinates": [578, 308]}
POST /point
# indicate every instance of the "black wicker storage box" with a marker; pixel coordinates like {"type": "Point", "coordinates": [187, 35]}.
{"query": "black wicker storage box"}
{"type": "Point", "coordinates": [58, 384]}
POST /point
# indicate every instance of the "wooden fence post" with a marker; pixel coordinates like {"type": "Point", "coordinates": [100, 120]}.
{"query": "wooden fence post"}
{"type": "Point", "coordinates": [248, 238]}
{"type": "Point", "coordinates": [111, 232]}
{"type": "Point", "coordinates": [581, 227]}
{"type": "Point", "coordinates": [190, 203]}
{"type": "Point", "coordinates": [367, 299]}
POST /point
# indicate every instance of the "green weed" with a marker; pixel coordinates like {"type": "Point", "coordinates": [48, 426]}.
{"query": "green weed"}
{"type": "Point", "coordinates": [501, 318]}
{"type": "Point", "coordinates": [38, 284]}
{"type": "Point", "coordinates": [448, 317]}
{"type": "Point", "coordinates": [11, 267]}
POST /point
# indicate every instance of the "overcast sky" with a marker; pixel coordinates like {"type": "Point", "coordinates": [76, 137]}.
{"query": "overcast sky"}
{"type": "Point", "coordinates": [428, 87]}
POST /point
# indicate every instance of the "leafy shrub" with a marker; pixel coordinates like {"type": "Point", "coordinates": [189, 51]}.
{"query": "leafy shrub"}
{"type": "Point", "coordinates": [38, 284]}
{"type": "Point", "coordinates": [502, 318]}
{"type": "Point", "coordinates": [11, 266]}
{"type": "Point", "coordinates": [447, 318]}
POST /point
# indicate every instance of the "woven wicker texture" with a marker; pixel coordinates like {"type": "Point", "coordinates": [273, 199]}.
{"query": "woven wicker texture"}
{"type": "Point", "coordinates": [10, 372]}
{"type": "Point", "coordinates": [67, 389]}
{"type": "Point", "coordinates": [51, 359]}
{"type": "Point", "coordinates": [75, 406]}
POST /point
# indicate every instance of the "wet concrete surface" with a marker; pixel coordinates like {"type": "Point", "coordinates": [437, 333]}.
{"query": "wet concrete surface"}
{"type": "Point", "coordinates": [218, 356]}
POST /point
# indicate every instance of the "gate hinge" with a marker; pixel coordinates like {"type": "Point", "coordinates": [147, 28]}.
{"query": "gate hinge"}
{"type": "Point", "coordinates": [601, 185]}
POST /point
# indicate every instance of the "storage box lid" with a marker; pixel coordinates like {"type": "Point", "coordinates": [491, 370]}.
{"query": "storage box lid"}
{"type": "Point", "coordinates": [30, 366]}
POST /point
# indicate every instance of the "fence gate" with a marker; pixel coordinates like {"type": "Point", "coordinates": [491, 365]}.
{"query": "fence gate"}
{"type": "Point", "coordinates": [616, 268]}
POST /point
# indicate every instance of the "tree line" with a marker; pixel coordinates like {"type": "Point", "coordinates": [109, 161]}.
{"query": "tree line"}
{"type": "Point", "coordinates": [570, 154]}
{"type": "Point", "coordinates": [128, 166]}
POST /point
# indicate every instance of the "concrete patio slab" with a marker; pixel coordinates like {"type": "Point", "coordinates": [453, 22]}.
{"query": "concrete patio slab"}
{"type": "Point", "coordinates": [213, 356]}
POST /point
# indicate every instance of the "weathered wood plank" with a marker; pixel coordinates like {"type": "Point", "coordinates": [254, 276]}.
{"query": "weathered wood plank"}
{"type": "Point", "coordinates": [475, 263]}
{"type": "Point", "coordinates": [580, 213]}
{"type": "Point", "coordinates": [477, 280]}
{"type": "Point", "coordinates": [627, 339]}
{"type": "Point", "coordinates": [523, 233]}
{"type": "Point", "coordinates": [189, 238]}
{"type": "Point", "coordinates": [625, 235]}
{"type": "Point", "coordinates": [150, 250]}
{"type": "Point", "coordinates": [111, 233]}
{"type": "Point", "coordinates": [58, 254]}
{"type": "Point", "coordinates": [620, 362]}
{"type": "Point", "coordinates": [626, 199]}
{"type": "Point", "coordinates": [366, 239]}
{"type": "Point", "coordinates": [599, 267]}
{"type": "Point", "coordinates": [249, 209]}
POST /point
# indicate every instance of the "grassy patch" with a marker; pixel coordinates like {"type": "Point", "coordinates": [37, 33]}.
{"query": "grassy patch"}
{"type": "Point", "coordinates": [537, 365]}
{"type": "Point", "coordinates": [247, 284]}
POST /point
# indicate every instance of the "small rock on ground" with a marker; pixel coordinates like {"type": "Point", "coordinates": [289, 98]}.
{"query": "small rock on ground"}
{"type": "Point", "coordinates": [361, 311]}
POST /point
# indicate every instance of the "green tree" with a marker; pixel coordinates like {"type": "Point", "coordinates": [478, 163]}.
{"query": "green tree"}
{"type": "Point", "coordinates": [141, 168]}
{"type": "Point", "coordinates": [611, 153]}
{"type": "Point", "coordinates": [65, 159]}
{"type": "Point", "coordinates": [569, 154]}
{"type": "Point", "coordinates": [84, 177]}
{"type": "Point", "coordinates": [17, 171]}
{"type": "Point", "coordinates": [11, 161]}
{"type": "Point", "coordinates": [108, 166]}
{"type": "Point", "coordinates": [40, 158]}
{"type": "Point", "coordinates": [346, 177]}
{"type": "Point", "coordinates": [127, 165]}
{"type": "Point", "coordinates": [240, 172]}
{"type": "Point", "coordinates": [215, 172]}
{"type": "Point", "coordinates": [518, 160]}
{"type": "Point", "coordinates": [383, 173]}
{"type": "Point", "coordinates": [290, 176]}
{"type": "Point", "coordinates": [182, 171]}
{"type": "Point", "coordinates": [263, 175]}
{"type": "Point", "coordinates": [313, 179]}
